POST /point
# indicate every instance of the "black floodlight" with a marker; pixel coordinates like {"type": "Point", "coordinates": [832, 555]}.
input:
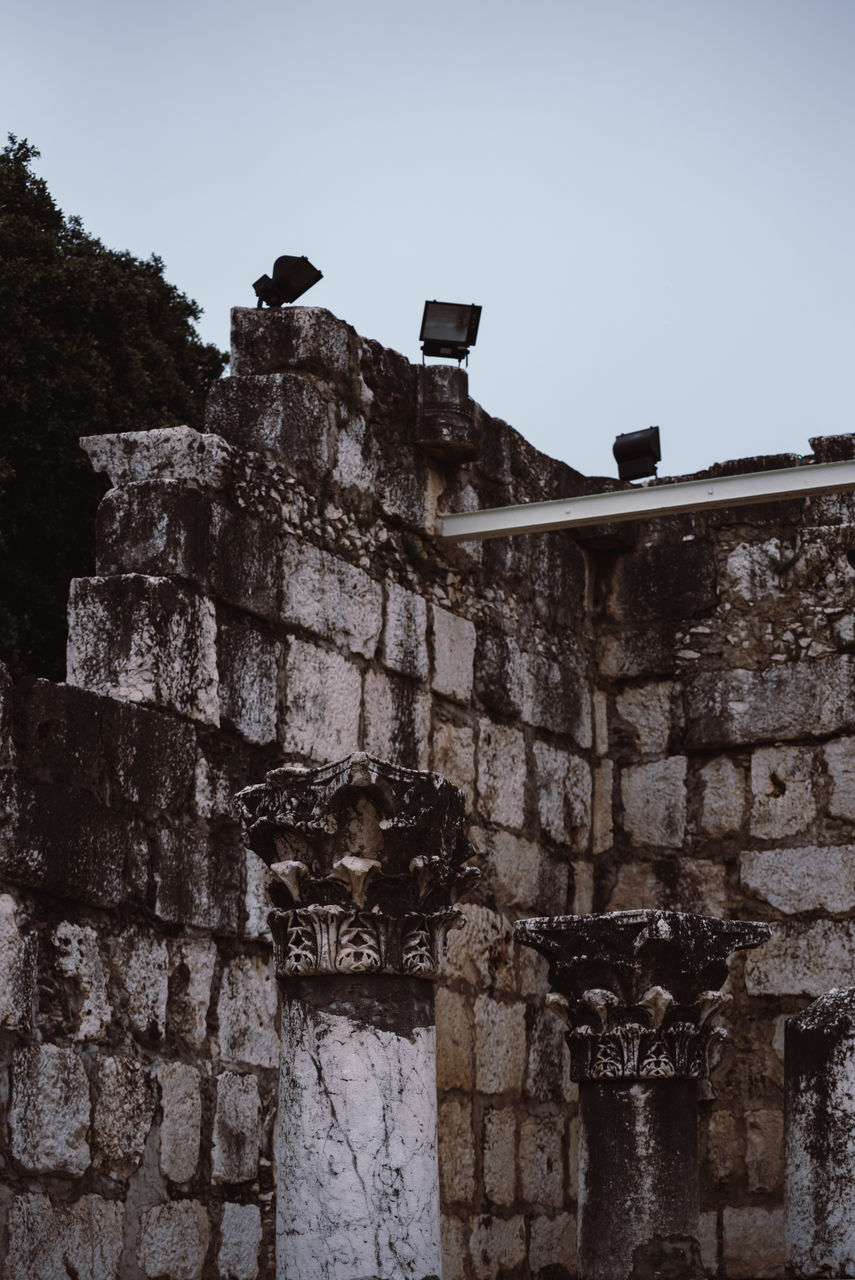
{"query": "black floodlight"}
{"type": "Point", "coordinates": [449, 329]}
{"type": "Point", "coordinates": [291, 278]}
{"type": "Point", "coordinates": [637, 453]}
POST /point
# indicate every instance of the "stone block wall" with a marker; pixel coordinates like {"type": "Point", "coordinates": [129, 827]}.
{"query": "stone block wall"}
{"type": "Point", "coordinates": [653, 716]}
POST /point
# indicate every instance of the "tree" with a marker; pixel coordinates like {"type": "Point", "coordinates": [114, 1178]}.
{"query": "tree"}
{"type": "Point", "coordinates": [91, 341]}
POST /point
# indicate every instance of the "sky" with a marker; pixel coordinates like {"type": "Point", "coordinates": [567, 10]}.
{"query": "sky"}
{"type": "Point", "coordinates": [652, 200]}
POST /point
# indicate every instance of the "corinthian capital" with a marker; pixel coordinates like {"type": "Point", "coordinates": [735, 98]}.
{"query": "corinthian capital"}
{"type": "Point", "coordinates": [636, 988]}
{"type": "Point", "coordinates": [368, 865]}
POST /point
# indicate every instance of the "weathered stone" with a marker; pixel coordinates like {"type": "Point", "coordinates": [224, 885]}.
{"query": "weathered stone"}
{"type": "Point", "coordinates": [142, 639]}
{"type": "Point", "coordinates": [454, 1040]}
{"type": "Point", "coordinates": [54, 1242]}
{"type": "Point", "coordinates": [692, 885]}
{"type": "Point", "coordinates": [246, 1011]}
{"type": "Point", "coordinates": [840, 763]}
{"type": "Point", "coordinates": [455, 1251]}
{"type": "Point", "coordinates": [645, 651]}
{"type": "Point", "coordinates": [502, 678]}
{"type": "Point", "coordinates": [553, 1245]}
{"type": "Point", "coordinates": [541, 1163]}
{"type": "Point", "coordinates": [501, 774]}
{"type": "Point", "coordinates": [456, 1151]}
{"type": "Point", "coordinates": [453, 654]}
{"type": "Point", "coordinates": [78, 956]}
{"type": "Point", "coordinates": [405, 632]}
{"type": "Point", "coordinates": [167, 453]}
{"type": "Point", "coordinates": [723, 797]}
{"type": "Point", "coordinates": [664, 580]}
{"type": "Point", "coordinates": [139, 964]}
{"type": "Point", "coordinates": [781, 784]}
{"type": "Point", "coordinates": [237, 1128]}
{"type": "Point", "coordinates": [481, 953]}
{"type": "Point", "coordinates": [602, 829]}
{"type": "Point", "coordinates": [646, 709]}
{"type": "Point", "coordinates": [753, 1243]}
{"type": "Point", "coordinates": [122, 1115]}
{"type": "Point", "coordinates": [49, 1112]}
{"type": "Point", "coordinates": [764, 1149]}
{"type": "Point", "coordinates": [514, 868]}
{"type": "Point", "coordinates": [323, 691]}
{"type": "Point", "coordinates": [499, 1046]}
{"type": "Point", "coordinates": [17, 966]}
{"type": "Point", "coordinates": [500, 1156]}
{"type": "Point", "coordinates": [723, 1147]}
{"type": "Point", "coordinates": [547, 1077]}
{"type": "Point", "coordinates": [397, 720]}
{"type": "Point", "coordinates": [454, 756]}
{"type": "Point", "coordinates": [180, 1129]}
{"type": "Point", "coordinates": [286, 415]}
{"type": "Point", "coordinates": [331, 598]}
{"type": "Point", "coordinates": [309, 339]}
{"type": "Point", "coordinates": [795, 880]}
{"type": "Point", "coordinates": [173, 1240]}
{"type": "Point", "coordinates": [791, 700]}
{"type": "Point", "coordinates": [563, 795]}
{"type": "Point", "coordinates": [654, 802]}
{"type": "Point", "coordinates": [197, 877]}
{"type": "Point", "coordinates": [248, 664]}
{"type": "Point", "coordinates": [240, 1240]}
{"type": "Point", "coordinates": [191, 971]}
{"type": "Point", "coordinates": [803, 959]}
{"type": "Point", "coordinates": [496, 1245]}
{"type": "Point", "coordinates": [256, 906]}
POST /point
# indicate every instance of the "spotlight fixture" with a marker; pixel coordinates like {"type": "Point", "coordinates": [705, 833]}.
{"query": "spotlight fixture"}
{"type": "Point", "coordinates": [291, 278]}
{"type": "Point", "coordinates": [449, 329]}
{"type": "Point", "coordinates": [637, 453]}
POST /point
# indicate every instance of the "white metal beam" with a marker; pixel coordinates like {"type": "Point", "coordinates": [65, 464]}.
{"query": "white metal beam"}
{"type": "Point", "coordinates": [644, 503]}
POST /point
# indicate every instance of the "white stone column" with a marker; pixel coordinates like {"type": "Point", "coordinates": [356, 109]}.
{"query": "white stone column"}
{"type": "Point", "coordinates": [819, 1125]}
{"type": "Point", "coordinates": [367, 859]}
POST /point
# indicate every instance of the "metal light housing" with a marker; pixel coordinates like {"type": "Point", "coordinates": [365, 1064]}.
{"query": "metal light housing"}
{"type": "Point", "coordinates": [637, 453]}
{"type": "Point", "coordinates": [291, 278]}
{"type": "Point", "coordinates": [449, 329]}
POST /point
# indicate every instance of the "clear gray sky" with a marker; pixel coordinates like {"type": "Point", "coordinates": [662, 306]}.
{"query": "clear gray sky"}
{"type": "Point", "coordinates": [653, 200]}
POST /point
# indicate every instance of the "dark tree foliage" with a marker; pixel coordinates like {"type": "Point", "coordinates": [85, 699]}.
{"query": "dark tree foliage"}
{"type": "Point", "coordinates": [91, 341]}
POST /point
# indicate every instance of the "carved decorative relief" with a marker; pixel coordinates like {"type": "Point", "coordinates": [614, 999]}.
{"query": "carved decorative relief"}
{"type": "Point", "coordinates": [367, 860]}
{"type": "Point", "coordinates": [635, 988]}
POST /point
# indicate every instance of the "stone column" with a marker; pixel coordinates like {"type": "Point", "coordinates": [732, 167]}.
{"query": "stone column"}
{"type": "Point", "coordinates": [637, 989]}
{"type": "Point", "coordinates": [367, 860]}
{"type": "Point", "coordinates": [819, 1124]}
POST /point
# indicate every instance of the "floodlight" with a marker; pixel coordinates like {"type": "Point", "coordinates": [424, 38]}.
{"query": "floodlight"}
{"type": "Point", "coordinates": [637, 453]}
{"type": "Point", "coordinates": [291, 278]}
{"type": "Point", "coordinates": [449, 329]}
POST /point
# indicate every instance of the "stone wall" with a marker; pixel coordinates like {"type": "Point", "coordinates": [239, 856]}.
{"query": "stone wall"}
{"type": "Point", "coordinates": [655, 715]}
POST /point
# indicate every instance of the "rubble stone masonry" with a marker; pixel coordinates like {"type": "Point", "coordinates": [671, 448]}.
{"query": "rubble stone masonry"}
{"type": "Point", "coordinates": [655, 715]}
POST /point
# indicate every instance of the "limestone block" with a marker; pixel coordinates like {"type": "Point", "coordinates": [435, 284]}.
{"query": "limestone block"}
{"type": "Point", "coordinates": [664, 580]}
{"type": "Point", "coordinates": [782, 789]}
{"type": "Point", "coordinates": [723, 797]}
{"type": "Point", "coordinates": [541, 1162]}
{"type": "Point", "coordinates": [708, 1241]}
{"type": "Point", "coordinates": [405, 632]}
{"type": "Point", "coordinates": [139, 963]}
{"type": "Point", "coordinates": [600, 708]}
{"type": "Point", "coordinates": [284, 414]}
{"type": "Point", "coordinates": [482, 952]}
{"type": "Point", "coordinates": [323, 692]}
{"type": "Point", "coordinates": [397, 720]}
{"type": "Point", "coordinates": [180, 1129]}
{"type": "Point", "coordinates": [237, 1128]}
{"type": "Point", "coordinates": [803, 959]}
{"type": "Point", "coordinates": [155, 758]}
{"type": "Point", "coordinates": [500, 1155]}
{"type": "Point", "coordinates": [805, 879]}
{"type": "Point", "coordinates": [355, 459]}
{"type": "Point", "coordinates": [454, 756]}
{"type": "Point", "coordinates": [246, 1011]}
{"type": "Point", "coordinates": [547, 1077]}
{"type": "Point", "coordinates": [840, 763]}
{"type": "Point", "coordinates": [695, 885]}
{"type": "Point", "coordinates": [142, 639]}
{"type": "Point", "coordinates": [17, 966]}
{"type": "Point", "coordinates": [79, 958]}
{"type": "Point", "coordinates": [245, 559]}
{"type": "Point", "coordinates": [256, 904]}
{"type": "Point", "coordinates": [330, 597]}
{"type": "Point", "coordinates": [161, 528]}
{"type": "Point", "coordinates": [49, 1113]}
{"type": "Point", "coordinates": [248, 663]}
{"type": "Point", "coordinates": [122, 1116]}
{"type": "Point", "coordinates": [503, 681]}
{"type": "Point", "coordinates": [764, 1150]}
{"type": "Point", "coordinates": [453, 654]}
{"type": "Point", "coordinates": [499, 1046]}
{"type": "Point", "coordinates": [240, 1240]}
{"type": "Point", "coordinates": [753, 1243]}
{"type": "Point", "coordinates": [275, 340]}
{"type": "Point", "coordinates": [501, 774]}
{"type": "Point", "coordinates": [788, 701]}
{"type": "Point", "coordinates": [602, 828]}
{"type": "Point", "coordinates": [654, 802]}
{"type": "Point", "coordinates": [54, 1242]}
{"type": "Point", "coordinates": [553, 1244]}
{"type": "Point", "coordinates": [191, 971]}
{"type": "Point", "coordinates": [454, 1040]}
{"type": "Point", "coordinates": [512, 869]}
{"type": "Point", "coordinates": [646, 708]}
{"type": "Point", "coordinates": [173, 1240]}
{"type": "Point", "coordinates": [557, 695]}
{"type": "Point", "coordinates": [723, 1147]}
{"type": "Point", "coordinates": [583, 888]}
{"type": "Point", "coordinates": [167, 453]}
{"type": "Point", "coordinates": [496, 1244]}
{"type": "Point", "coordinates": [563, 795]}
{"type": "Point", "coordinates": [455, 1251]}
{"type": "Point", "coordinates": [196, 876]}
{"type": "Point", "coordinates": [456, 1151]}
{"type": "Point", "coordinates": [644, 651]}
{"type": "Point", "coordinates": [410, 493]}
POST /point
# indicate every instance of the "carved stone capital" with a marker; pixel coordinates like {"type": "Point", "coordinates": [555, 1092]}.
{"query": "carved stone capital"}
{"type": "Point", "coordinates": [636, 988]}
{"type": "Point", "coordinates": [368, 864]}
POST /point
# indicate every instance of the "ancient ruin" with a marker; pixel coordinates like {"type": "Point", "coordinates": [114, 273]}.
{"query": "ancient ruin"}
{"type": "Point", "coordinates": [656, 716]}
